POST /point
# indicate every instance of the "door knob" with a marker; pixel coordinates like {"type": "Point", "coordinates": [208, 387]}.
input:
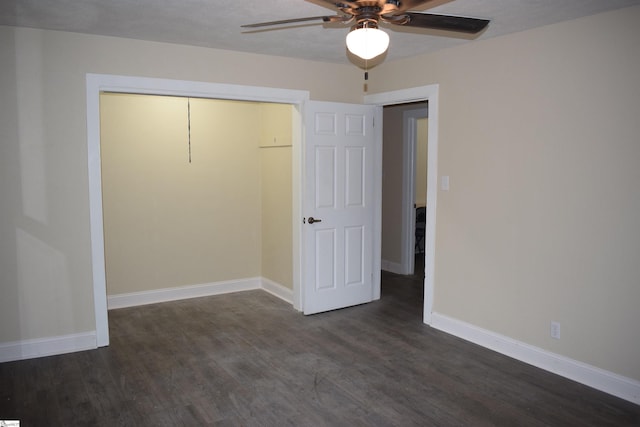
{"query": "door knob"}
{"type": "Point", "coordinates": [311, 220]}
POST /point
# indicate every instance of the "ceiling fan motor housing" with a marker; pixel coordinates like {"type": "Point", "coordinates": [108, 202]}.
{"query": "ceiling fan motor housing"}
{"type": "Point", "coordinates": [367, 15]}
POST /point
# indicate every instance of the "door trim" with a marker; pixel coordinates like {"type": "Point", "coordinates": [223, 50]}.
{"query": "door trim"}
{"type": "Point", "coordinates": [428, 93]}
{"type": "Point", "coordinates": [97, 83]}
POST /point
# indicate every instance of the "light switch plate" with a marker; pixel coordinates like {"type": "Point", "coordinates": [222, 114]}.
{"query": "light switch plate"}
{"type": "Point", "coordinates": [444, 183]}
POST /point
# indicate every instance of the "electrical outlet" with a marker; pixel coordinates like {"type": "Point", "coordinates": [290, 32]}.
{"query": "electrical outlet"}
{"type": "Point", "coordinates": [555, 330]}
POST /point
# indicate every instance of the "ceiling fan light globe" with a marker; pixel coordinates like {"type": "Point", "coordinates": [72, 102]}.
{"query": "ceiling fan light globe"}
{"type": "Point", "coordinates": [367, 43]}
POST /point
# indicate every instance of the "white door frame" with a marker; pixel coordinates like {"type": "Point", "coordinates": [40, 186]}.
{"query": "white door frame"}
{"type": "Point", "coordinates": [97, 83]}
{"type": "Point", "coordinates": [424, 93]}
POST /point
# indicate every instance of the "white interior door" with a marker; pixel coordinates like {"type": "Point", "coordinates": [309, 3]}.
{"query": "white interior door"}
{"type": "Point", "coordinates": [338, 206]}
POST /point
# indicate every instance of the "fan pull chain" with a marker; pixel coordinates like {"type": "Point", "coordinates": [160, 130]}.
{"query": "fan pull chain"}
{"type": "Point", "coordinates": [189, 125]}
{"type": "Point", "coordinates": [366, 69]}
{"type": "Point", "coordinates": [366, 75]}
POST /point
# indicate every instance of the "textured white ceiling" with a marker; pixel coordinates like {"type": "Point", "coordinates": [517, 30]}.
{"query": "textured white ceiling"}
{"type": "Point", "coordinates": [216, 23]}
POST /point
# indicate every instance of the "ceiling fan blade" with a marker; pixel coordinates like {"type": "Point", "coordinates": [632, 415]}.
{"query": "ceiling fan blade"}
{"type": "Point", "coordinates": [336, 18]}
{"type": "Point", "coordinates": [404, 5]}
{"type": "Point", "coordinates": [445, 22]}
{"type": "Point", "coordinates": [339, 4]}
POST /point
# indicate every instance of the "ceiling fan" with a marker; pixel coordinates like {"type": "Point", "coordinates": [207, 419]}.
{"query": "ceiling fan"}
{"type": "Point", "coordinates": [365, 39]}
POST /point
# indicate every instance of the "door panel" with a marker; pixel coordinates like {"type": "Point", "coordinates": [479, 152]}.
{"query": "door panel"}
{"type": "Point", "coordinates": [326, 253]}
{"type": "Point", "coordinates": [355, 177]}
{"type": "Point", "coordinates": [354, 255]}
{"type": "Point", "coordinates": [325, 177]}
{"type": "Point", "coordinates": [338, 190]}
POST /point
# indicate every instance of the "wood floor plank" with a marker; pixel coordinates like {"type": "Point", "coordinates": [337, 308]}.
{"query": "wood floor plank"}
{"type": "Point", "coordinates": [249, 359]}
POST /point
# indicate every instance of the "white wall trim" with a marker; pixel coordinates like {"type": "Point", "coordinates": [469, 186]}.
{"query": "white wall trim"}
{"type": "Point", "coordinates": [377, 205]}
{"type": "Point", "coordinates": [608, 382]}
{"type": "Point", "coordinates": [182, 292]}
{"type": "Point", "coordinates": [50, 346]}
{"type": "Point", "coordinates": [393, 267]}
{"type": "Point", "coordinates": [402, 96]}
{"type": "Point", "coordinates": [428, 93]}
{"type": "Point", "coordinates": [278, 290]}
{"type": "Point", "coordinates": [96, 83]}
{"type": "Point", "coordinates": [171, 87]}
{"type": "Point", "coordinates": [297, 160]}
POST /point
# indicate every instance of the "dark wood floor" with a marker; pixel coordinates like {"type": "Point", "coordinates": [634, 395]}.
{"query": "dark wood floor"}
{"type": "Point", "coordinates": [250, 359]}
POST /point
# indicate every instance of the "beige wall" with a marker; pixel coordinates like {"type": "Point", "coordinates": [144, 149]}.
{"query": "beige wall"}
{"type": "Point", "coordinates": [420, 188]}
{"type": "Point", "coordinates": [538, 132]}
{"type": "Point", "coordinates": [170, 222]}
{"type": "Point", "coordinates": [277, 255]}
{"type": "Point", "coordinates": [276, 193]}
{"type": "Point", "coordinates": [392, 169]}
{"type": "Point", "coordinates": [392, 184]}
{"type": "Point", "coordinates": [45, 262]}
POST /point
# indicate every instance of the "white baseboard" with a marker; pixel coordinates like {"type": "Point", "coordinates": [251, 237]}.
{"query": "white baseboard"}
{"type": "Point", "coordinates": [182, 292]}
{"type": "Point", "coordinates": [608, 382]}
{"type": "Point", "coordinates": [393, 267]}
{"type": "Point", "coordinates": [278, 290]}
{"type": "Point", "coordinates": [50, 346]}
